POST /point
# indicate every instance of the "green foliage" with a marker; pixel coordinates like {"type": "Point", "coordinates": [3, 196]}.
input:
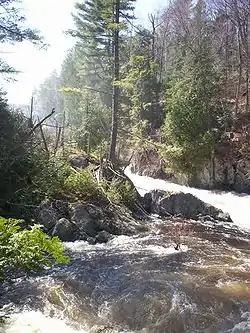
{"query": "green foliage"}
{"type": "Point", "coordinates": [80, 185]}
{"type": "Point", "coordinates": [28, 175]}
{"type": "Point", "coordinates": [28, 250]}
{"type": "Point", "coordinates": [187, 126]}
{"type": "Point", "coordinates": [13, 29]}
{"type": "Point", "coordinates": [15, 160]}
{"type": "Point", "coordinates": [47, 175]}
{"type": "Point", "coordinates": [192, 106]}
{"type": "Point", "coordinates": [119, 192]}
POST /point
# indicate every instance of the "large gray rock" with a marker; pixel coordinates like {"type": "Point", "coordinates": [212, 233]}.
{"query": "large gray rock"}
{"type": "Point", "coordinates": [114, 220]}
{"type": "Point", "coordinates": [47, 215]}
{"type": "Point", "coordinates": [67, 231]}
{"type": "Point", "coordinates": [103, 237]}
{"type": "Point", "coordinates": [85, 221]}
{"type": "Point", "coordinates": [184, 204]}
{"type": "Point", "coordinates": [62, 207]}
{"type": "Point", "coordinates": [86, 217]}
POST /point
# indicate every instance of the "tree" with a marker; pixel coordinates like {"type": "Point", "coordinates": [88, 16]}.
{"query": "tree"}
{"type": "Point", "coordinates": [116, 89]}
{"type": "Point", "coordinates": [192, 101]}
{"type": "Point", "coordinates": [98, 29]}
{"type": "Point", "coordinates": [12, 29]}
{"type": "Point", "coordinates": [142, 84]}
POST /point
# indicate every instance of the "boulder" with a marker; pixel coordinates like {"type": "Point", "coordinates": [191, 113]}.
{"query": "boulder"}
{"type": "Point", "coordinates": [67, 231]}
{"type": "Point", "coordinates": [114, 220]}
{"type": "Point", "coordinates": [187, 205]}
{"type": "Point", "coordinates": [86, 217]}
{"type": "Point", "coordinates": [85, 221]}
{"type": "Point", "coordinates": [47, 216]}
{"type": "Point", "coordinates": [91, 240]}
{"type": "Point", "coordinates": [62, 207]}
{"type": "Point", "coordinates": [103, 237]}
{"type": "Point", "coordinates": [78, 161]}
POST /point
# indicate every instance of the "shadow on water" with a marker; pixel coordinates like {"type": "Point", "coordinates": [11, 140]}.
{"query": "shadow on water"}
{"type": "Point", "coordinates": [142, 284]}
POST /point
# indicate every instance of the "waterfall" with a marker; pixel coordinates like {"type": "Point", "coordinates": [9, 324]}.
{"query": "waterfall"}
{"type": "Point", "coordinates": [237, 205]}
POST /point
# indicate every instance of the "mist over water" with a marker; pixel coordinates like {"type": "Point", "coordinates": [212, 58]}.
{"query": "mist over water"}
{"type": "Point", "coordinates": [141, 283]}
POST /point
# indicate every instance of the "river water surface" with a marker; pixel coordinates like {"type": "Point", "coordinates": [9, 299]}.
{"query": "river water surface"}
{"type": "Point", "coordinates": [141, 283]}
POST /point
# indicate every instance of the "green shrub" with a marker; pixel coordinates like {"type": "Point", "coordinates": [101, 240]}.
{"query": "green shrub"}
{"type": "Point", "coordinates": [28, 250]}
{"type": "Point", "coordinates": [120, 192]}
{"type": "Point", "coordinates": [81, 185]}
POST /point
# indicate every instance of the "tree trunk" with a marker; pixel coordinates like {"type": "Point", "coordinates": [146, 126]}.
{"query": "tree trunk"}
{"type": "Point", "coordinates": [247, 69]}
{"type": "Point", "coordinates": [116, 89]}
{"type": "Point", "coordinates": [239, 76]}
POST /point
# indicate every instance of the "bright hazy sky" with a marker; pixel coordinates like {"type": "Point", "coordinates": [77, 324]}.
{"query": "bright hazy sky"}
{"type": "Point", "coordinates": [52, 18]}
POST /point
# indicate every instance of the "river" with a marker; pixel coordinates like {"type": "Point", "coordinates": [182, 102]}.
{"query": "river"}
{"type": "Point", "coordinates": [141, 283]}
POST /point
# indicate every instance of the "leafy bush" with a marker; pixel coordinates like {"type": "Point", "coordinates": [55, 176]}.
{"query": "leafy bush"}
{"type": "Point", "coordinates": [47, 177]}
{"type": "Point", "coordinates": [81, 185]}
{"type": "Point", "coordinates": [28, 174]}
{"type": "Point", "coordinates": [28, 250]}
{"type": "Point", "coordinates": [120, 192]}
{"type": "Point", "coordinates": [15, 154]}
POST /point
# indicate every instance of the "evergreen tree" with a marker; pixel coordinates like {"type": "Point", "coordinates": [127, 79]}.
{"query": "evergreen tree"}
{"type": "Point", "coordinates": [98, 28]}
{"type": "Point", "coordinates": [192, 103]}
{"type": "Point", "coordinates": [47, 97]}
{"type": "Point", "coordinates": [12, 30]}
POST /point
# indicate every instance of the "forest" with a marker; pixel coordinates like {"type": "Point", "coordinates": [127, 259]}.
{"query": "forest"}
{"type": "Point", "coordinates": [176, 91]}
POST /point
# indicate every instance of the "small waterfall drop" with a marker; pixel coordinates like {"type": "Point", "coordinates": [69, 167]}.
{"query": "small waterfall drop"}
{"type": "Point", "coordinates": [237, 205]}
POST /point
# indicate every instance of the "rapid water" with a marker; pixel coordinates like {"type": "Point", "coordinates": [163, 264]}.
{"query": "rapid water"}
{"type": "Point", "coordinates": [237, 205]}
{"type": "Point", "coordinates": [141, 283]}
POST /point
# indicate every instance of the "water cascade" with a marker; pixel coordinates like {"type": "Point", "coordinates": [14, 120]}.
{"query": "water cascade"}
{"type": "Point", "coordinates": [141, 283]}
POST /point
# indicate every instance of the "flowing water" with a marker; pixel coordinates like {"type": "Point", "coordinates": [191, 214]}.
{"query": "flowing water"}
{"type": "Point", "coordinates": [141, 283]}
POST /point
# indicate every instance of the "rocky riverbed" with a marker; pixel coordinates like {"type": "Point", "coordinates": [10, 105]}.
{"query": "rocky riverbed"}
{"type": "Point", "coordinates": [139, 281]}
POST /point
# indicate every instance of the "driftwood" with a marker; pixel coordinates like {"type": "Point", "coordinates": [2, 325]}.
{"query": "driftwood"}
{"type": "Point", "coordinates": [40, 123]}
{"type": "Point", "coordinates": [44, 139]}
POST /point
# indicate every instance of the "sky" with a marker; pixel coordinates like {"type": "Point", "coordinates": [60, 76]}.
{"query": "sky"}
{"type": "Point", "coordinates": [52, 18]}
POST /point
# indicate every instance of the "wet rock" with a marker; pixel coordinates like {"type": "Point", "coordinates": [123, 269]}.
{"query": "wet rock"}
{"type": "Point", "coordinates": [47, 216]}
{"type": "Point", "coordinates": [92, 220]}
{"type": "Point", "coordinates": [243, 327]}
{"type": "Point", "coordinates": [81, 221]}
{"type": "Point", "coordinates": [62, 207]}
{"type": "Point", "coordinates": [91, 240]}
{"type": "Point", "coordinates": [224, 217]}
{"type": "Point", "coordinates": [67, 231]}
{"type": "Point", "coordinates": [187, 205]}
{"type": "Point", "coordinates": [206, 218]}
{"type": "Point", "coordinates": [86, 217]}
{"type": "Point", "coordinates": [103, 237]}
{"type": "Point", "coordinates": [245, 316]}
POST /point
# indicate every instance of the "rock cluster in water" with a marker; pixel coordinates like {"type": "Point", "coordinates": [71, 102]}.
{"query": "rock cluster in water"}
{"type": "Point", "coordinates": [86, 221]}
{"type": "Point", "coordinates": [184, 204]}
{"type": "Point", "coordinates": [98, 224]}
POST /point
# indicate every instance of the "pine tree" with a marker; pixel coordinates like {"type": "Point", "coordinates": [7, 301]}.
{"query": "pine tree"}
{"type": "Point", "coordinates": [192, 107]}
{"type": "Point", "coordinates": [12, 30]}
{"type": "Point", "coordinates": [98, 28]}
